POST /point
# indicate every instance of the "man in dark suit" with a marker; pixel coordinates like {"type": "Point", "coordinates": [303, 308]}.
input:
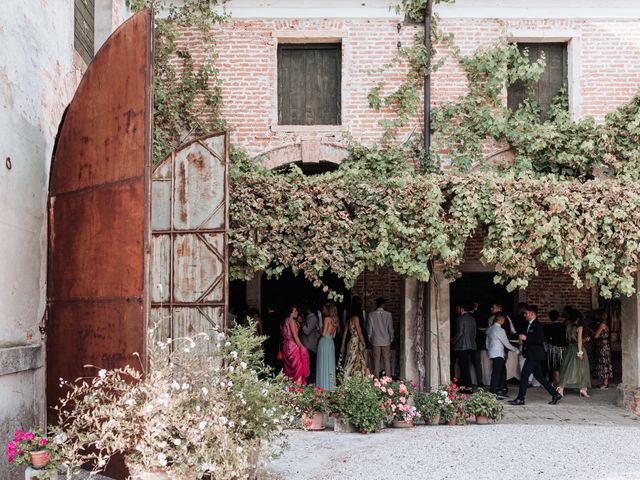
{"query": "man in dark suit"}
{"type": "Point", "coordinates": [533, 351]}
{"type": "Point", "coordinates": [464, 343]}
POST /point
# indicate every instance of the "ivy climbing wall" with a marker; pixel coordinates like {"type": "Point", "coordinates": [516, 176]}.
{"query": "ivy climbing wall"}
{"type": "Point", "coordinates": [603, 64]}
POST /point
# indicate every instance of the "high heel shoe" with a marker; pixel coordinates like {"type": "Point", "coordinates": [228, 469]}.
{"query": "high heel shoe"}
{"type": "Point", "coordinates": [583, 393]}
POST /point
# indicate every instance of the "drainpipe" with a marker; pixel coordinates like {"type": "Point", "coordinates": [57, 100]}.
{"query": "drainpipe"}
{"type": "Point", "coordinates": [427, 78]}
{"type": "Point", "coordinates": [426, 295]}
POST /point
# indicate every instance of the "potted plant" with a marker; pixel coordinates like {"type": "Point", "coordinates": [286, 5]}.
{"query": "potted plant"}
{"type": "Point", "coordinates": [485, 407]}
{"type": "Point", "coordinates": [430, 405]}
{"type": "Point", "coordinates": [358, 401]}
{"type": "Point", "coordinates": [180, 417]}
{"type": "Point", "coordinates": [32, 448]}
{"type": "Point", "coordinates": [312, 403]}
{"type": "Point", "coordinates": [397, 398]}
{"type": "Point", "coordinates": [453, 406]}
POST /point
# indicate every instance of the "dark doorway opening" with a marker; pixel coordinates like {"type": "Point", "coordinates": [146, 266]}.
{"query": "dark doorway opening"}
{"type": "Point", "coordinates": [478, 287]}
{"type": "Point", "coordinates": [279, 294]}
{"type": "Point", "coordinates": [289, 289]}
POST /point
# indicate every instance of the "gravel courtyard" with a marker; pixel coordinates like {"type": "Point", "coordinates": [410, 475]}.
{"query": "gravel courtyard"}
{"type": "Point", "coordinates": [578, 439]}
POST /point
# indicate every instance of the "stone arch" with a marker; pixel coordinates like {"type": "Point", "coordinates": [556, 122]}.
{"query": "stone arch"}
{"type": "Point", "coordinates": [305, 151]}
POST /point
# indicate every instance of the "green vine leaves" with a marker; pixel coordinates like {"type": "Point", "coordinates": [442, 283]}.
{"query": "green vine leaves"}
{"type": "Point", "coordinates": [558, 145]}
{"type": "Point", "coordinates": [382, 207]}
{"type": "Point", "coordinates": [344, 222]}
{"type": "Point", "coordinates": [350, 220]}
{"type": "Point", "coordinates": [187, 96]}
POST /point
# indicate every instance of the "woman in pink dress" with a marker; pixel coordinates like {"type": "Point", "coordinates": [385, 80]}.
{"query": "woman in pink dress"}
{"type": "Point", "coordinates": [296, 357]}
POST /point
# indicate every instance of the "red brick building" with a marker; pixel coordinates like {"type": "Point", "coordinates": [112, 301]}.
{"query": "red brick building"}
{"type": "Point", "coordinates": [274, 114]}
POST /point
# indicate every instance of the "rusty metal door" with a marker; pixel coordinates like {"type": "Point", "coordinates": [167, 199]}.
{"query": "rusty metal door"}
{"type": "Point", "coordinates": [189, 247]}
{"type": "Point", "coordinates": [99, 212]}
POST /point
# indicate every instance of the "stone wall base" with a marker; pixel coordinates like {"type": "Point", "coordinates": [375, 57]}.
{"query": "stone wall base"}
{"type": "Point", "coordinates": [629, 398]}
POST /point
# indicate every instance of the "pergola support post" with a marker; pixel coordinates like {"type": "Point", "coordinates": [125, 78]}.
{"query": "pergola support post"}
{"type": "Point", "coordinates": [629, 389]}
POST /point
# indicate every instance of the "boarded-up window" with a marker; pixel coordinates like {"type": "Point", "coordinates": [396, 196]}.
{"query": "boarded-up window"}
{"type": "Point", "coordinates": [552, 80]}
{"type": "Point", "coordinates": [309, 84]}
{"type": "Point", "coordinates": [84, 28]}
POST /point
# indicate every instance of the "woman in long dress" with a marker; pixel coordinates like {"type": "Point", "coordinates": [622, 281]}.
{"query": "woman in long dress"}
{"type": "Point", "coordinates": [296, 357]}
{"type": "Point", "coordinates": [575, 371]}
{"type": "Point", "coordinates": [604, 367]}
{"type": "Point", "coordinates": [326, 360]}
{"type": "Point", "coordinates": [355, 363]}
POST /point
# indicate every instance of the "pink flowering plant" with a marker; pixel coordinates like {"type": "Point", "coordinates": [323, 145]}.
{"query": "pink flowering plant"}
{"type": "Point", "coordinates": [397, 397]}
{"type": "Point", "coordinates": [453, 404]}
{"type": "Point", "coordinates": [17, 451]}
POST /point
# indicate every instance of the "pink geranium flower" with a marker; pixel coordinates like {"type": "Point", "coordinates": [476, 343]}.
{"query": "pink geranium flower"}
{"type": "Point", "coordinates": [29, 436]}
{"type": "Point", "coordinates": [43, 441]}
{"type": "Point", "coordinates": [402, 400]}
{"type": "Point", "coordinates": [390, 391]}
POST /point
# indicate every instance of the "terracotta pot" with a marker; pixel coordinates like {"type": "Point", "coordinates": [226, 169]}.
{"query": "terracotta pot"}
{"type": "Point", "coordinates": [39, 458]}
{"type": "Point", "coordinates": [402, 424]}
{"type": "Point", "coordinates": [435, 420]}
{"type": "Point", "coordinates": [315, 422]}
{"type": "Point", "coordinates": [482, 419]}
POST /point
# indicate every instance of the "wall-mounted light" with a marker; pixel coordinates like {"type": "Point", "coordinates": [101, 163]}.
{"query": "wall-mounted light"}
{"type": "Point", "coordinates": [399, 26]}
{"type": "Point", "coordinates": [7, 163]}
{"type": "Point", "coordinates": [399, 44]}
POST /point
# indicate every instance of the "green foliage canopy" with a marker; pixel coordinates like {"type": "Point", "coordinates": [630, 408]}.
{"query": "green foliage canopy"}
{"type": "Point", "coordinates": [351, 220]}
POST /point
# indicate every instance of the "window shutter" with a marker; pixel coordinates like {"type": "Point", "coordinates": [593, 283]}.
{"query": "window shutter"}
{"type": "Point", "coordinates": [84, 28]}
{"type": "Point", "coordinates": [309, 81]}
{"type": "Point", "coordinates": [552, 80]}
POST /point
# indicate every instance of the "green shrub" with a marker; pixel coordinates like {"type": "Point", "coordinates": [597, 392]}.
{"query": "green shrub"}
{"type": "Point", "coordinates": [358, 401]}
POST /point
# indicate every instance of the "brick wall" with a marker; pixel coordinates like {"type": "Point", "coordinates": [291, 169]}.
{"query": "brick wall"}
{"type": "Point", "coordinates": [606, 65]}
{"type": "Point", "coordinates": [550, 290]}
{"type": "Point", "coordinates": [385, 283]}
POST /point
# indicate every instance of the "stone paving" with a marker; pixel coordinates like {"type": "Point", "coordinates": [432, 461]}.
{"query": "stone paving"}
{"type": "Point", "coordinates": [598, 410]}
{"type": "Point", "coordinates": [578, 439]}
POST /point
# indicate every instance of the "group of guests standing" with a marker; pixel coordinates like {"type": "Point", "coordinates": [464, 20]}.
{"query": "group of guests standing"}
{"type": "Point", "coordinates": [315, 342]}
{"type": "Point", "coordinates": [554, 354]}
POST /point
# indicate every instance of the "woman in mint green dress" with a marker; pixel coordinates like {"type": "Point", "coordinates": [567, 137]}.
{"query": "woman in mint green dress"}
{"type": "Point", "coordinates": [575, 371]}
{"type": "Point", "coordinates": [326, 360]}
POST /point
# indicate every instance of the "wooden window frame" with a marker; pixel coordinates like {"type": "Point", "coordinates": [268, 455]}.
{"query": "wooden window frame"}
{"type": "Point", "coordinates": [573, 40]}
{"type": "Point", "coordinates": [537, 47]}
{"type": "Point", "coordinates": [310, 40]}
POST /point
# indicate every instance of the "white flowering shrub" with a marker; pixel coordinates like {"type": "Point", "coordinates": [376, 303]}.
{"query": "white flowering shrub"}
{"type": "Point", "coordinates": [198, 407]}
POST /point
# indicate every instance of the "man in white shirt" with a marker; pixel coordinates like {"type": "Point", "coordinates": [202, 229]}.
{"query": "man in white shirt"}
{"type": "Point", "coordinates": [496, 308]}
{"type": "Point", "coordinates": [380, 333]}
{"type": "Point", "coordinates": [497, 341]}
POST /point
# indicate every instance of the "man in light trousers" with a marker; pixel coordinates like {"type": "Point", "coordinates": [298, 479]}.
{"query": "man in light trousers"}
{"type": "Point", "coordinates": [380, 333]}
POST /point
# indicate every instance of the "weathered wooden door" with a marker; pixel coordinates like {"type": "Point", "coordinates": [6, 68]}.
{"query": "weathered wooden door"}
{"type": "Point", "coordinates": [189, 248]}
{"type": "Point", "coordinates": [99, 212]}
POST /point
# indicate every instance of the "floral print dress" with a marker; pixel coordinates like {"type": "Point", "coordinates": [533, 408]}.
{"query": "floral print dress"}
{"type": "Point", "coordinates": [604, 368]}
{"type": "Point", "coordinates": [355, 364]}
